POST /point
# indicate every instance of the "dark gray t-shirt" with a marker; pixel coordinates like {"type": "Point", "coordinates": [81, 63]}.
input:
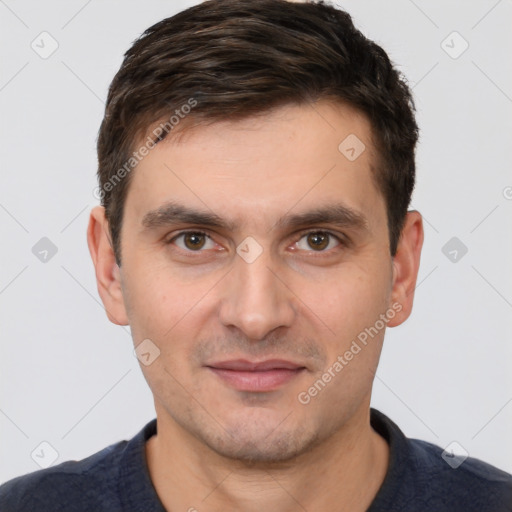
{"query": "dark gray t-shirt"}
{"type": "Point", "coordinates": [117, 479]}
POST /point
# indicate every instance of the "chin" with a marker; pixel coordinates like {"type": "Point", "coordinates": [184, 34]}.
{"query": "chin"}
{"type": "Point", "coordinates": [253, 444]}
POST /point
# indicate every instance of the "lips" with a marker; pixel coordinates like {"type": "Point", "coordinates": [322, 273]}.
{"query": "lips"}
{"type": "Point", "coordinates": [248, 366]}
{"type": "Point", "coordinates": [260, 376]}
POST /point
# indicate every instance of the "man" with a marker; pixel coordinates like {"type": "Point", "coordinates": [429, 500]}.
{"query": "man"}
{"type": "Point", "coordinates": [256, 164]}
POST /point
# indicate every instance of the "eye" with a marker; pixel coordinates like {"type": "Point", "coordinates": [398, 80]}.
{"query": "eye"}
{"type": "Point", "coordinates": [193, 241]}
{"type": "Point", "coordinates": [319, 241]}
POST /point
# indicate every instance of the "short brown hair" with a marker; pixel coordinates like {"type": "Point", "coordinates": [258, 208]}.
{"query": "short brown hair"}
{"type": "Point", "coordinates": [232, 59]}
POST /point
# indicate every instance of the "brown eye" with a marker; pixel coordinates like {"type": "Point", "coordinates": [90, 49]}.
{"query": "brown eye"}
{"type": "Point", "coordinates": [193, 241]}
{"type": "Point", "coordinates": [318, 241]}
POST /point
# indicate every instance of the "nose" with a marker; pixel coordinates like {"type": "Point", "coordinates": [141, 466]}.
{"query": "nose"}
{"type": "Point", "coordinates": [255, 298]}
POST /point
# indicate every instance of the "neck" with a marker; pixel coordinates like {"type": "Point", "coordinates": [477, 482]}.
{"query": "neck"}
{"type": "Point", "coordinates": [343, 473]}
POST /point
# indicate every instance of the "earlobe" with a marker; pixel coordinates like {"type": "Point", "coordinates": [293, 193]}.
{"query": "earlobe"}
{"type": "Point", "coordinates": [108, 276]}
{"type": "Point", "coordinates": [406, 265]}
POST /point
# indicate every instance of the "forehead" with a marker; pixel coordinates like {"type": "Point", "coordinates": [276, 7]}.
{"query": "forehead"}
{"type": "Point", "coordinates": [253, 170]}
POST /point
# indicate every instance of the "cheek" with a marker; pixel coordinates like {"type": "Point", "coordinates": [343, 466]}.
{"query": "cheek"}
{"type": "Point", "coordinates": [350, 299]}
{"type": "Point", "coordinates": [160, 299]}
{"type": "Point", "coordinates": [351, 306]}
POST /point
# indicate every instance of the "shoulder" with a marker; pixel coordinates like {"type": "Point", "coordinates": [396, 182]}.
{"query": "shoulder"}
{"type": "Point", "coordinates": [422, 477]}
{"type": "Point", "coordinates": [71, 485]}
{"type": "Point", "coordinates": [460, 482]}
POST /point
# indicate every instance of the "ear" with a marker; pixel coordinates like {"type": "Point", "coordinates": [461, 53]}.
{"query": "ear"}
{"type": "Point", "coordinates": [406, 264]}
{"type": "Point", "coordinates": [108, 276]}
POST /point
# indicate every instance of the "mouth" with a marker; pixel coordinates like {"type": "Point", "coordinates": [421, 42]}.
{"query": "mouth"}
{"type": "Point", "coordinates": [261, 376]}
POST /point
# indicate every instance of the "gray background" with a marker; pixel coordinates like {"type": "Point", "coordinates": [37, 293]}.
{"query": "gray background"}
{"type": "Point", "coordinates": [69, 378]}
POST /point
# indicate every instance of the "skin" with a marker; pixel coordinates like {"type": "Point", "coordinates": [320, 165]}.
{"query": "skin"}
{"type": "Point", "coordinates": [219, 448]}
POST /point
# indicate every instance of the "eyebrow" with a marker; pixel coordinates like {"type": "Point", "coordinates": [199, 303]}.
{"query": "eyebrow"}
{"type": "Point", "coordinates": [172, 213]}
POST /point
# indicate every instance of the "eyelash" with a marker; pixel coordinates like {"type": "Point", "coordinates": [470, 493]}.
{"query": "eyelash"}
{"type": "Point", "coordinates": [343, 242]}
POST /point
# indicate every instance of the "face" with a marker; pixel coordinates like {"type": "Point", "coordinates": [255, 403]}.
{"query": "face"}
{"type": "Point", "coordinates": [255, 256]}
